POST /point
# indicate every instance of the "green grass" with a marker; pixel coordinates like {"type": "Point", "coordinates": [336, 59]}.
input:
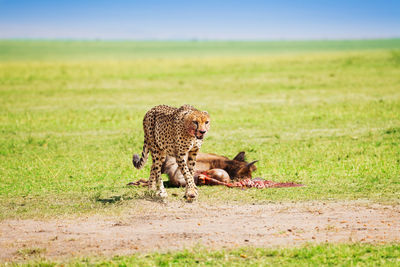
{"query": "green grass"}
{"type": "Point", "coordinates": [309, 255]}
{"type": "Point", "coordinates": [326, 115]}
{"type": "Point", "coordinates": [23, 50]}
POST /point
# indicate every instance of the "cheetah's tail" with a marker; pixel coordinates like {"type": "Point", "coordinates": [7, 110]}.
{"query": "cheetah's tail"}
{"type": "Point", "coordinates": [140, 162]}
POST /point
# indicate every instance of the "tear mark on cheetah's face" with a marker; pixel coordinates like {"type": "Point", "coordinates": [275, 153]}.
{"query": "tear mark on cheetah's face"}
{"type": "Point", "coordinates": [197, 124]}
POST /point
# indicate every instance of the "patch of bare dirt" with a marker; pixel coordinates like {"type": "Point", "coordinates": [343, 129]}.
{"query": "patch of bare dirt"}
{"type": "Point", "coordinates": [162, 227]}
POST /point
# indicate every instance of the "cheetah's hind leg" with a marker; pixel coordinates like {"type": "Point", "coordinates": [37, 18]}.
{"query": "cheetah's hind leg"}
{"type": "Point", "coordinates": [157, 191]}
{"type": "Point", "coordinates": [155, 181]}
{"type": "Point", "coordinates": [161, 192]}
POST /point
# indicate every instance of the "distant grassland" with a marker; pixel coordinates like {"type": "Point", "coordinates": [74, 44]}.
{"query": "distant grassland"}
{"type": "Point", "coordinates": [326, 114]}
{"type": "Point", "coordinates": [123, 50]}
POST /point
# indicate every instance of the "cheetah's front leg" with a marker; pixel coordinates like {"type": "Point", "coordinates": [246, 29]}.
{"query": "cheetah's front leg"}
{"type": "Point", "coordinates": [191, 162]}
{"type": "Point", "coordinates": [191, 189]}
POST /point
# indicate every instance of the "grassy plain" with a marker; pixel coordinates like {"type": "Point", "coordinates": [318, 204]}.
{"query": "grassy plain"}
{"type": "Point", "coordinates": [69, 126]}
{"type": "Point", "coordinates": [308, 255]}
{"type": "Point", "coordinates": [326, 114]}
{"type": "Point", "coordinates": [42, 50]}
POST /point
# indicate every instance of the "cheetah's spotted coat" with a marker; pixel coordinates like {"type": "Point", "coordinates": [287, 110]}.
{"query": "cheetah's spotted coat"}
{"type": "Point", "coordinates": [176, 132]}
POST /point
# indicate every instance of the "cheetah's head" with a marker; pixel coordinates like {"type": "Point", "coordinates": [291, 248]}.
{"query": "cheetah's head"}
{"type": "Point", "coordinates": [197, 123]}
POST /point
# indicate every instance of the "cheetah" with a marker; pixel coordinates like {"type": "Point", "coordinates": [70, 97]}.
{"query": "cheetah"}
{"type": "Point", "coordinates": [176, 132]}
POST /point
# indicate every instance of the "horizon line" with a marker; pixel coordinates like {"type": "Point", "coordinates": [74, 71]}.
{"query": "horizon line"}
{"type": "Point", "coordinates": [197, 39]}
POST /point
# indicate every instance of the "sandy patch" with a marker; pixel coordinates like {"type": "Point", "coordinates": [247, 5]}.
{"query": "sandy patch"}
{"type": "Point", "coordinates": [177, 225]}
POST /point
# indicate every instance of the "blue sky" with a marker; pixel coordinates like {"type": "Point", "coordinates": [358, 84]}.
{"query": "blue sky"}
{"type": "Point", "coordinates": [209, 20]}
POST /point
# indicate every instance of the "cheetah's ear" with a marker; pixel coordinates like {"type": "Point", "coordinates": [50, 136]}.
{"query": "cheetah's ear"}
{"type": "Point", "coordinates": [205, 112]}
{"type": "Point", "coordinates": [240, 157]}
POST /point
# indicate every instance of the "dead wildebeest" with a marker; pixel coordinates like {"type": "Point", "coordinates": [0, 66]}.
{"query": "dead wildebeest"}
{"type": "Point", "coordinates": [215, 166]}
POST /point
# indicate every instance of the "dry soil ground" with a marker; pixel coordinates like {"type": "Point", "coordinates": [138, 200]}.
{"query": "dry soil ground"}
{"type": "Point", "coordinates": [160, 227]}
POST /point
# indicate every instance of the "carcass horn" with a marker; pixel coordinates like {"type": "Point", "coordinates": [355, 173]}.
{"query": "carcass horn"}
{"type": "Point", "coordinates": [251, 163]}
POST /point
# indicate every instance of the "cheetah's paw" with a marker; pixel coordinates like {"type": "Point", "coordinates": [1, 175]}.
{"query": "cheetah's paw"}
{"type": "Point", "coordinates": [191, 194]}
{"type": "Point", "coordinates": [162, 194]}
{"type": "Point", "coordinates": [152, 186]}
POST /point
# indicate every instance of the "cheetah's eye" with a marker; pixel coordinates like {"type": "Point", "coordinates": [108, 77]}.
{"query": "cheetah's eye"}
{"type": "Point", "coordinates": [195, 122]}
{"type": "Point", "coordinates": [207, 122]}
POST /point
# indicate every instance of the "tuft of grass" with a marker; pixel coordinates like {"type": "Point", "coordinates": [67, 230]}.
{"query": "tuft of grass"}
{"type": "Point", "coordinates": [396, 56]}
{"type": "Point", "coordinates": [31, 252]}
{"type": "Point", "coordinates": [308, 255]}
{"type": "Point", "coordinates": [325, 115]}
